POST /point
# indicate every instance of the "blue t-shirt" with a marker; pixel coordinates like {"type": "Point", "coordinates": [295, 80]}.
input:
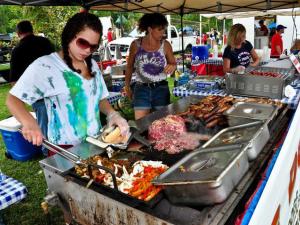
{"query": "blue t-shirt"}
{"type": "Point", "coordinates": [239, 56]}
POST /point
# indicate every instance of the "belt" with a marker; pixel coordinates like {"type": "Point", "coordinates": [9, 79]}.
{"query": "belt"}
{"type": "Point", "coordinates": [154, 84]}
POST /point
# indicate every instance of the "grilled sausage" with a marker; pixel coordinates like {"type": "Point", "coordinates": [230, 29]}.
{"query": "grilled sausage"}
{"type": "Point", "coordinates": [215, 116]}
{"type": "Point", "coordinates": [223, 109]}
{"type": "Point", "coordinates": [213, 123]}
{"type": "Point", "coordinates": [214, 111]}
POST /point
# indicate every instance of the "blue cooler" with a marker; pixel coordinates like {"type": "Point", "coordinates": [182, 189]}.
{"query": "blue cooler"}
{"type": "Point", "coordinates": [200, 52]}
{"type": "Point", "coordinates": [16, 146]}
{"type": "Point", "coordinates": [118, 82]}
{"type": "Point", "coordinates": [195, 52]}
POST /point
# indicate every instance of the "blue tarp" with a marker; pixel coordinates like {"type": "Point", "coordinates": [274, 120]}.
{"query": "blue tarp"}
{"type": "Point", "coordinates": [272, 25]}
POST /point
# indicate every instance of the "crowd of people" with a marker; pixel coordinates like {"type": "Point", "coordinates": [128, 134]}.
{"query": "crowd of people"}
{"type": "Point", "coordinates": [274, 34]}
{"type": "Point", "coordinates": [66, 88]}
{"type": "Point", "coordinates": [275, 40]}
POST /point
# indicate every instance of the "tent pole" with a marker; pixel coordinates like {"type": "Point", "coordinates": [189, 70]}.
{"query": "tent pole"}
{"type": "Point", "coordinates": [200, 28]}
{"type": "Point", "coordinates": [223, 31]}
{"type": "Point", "coordinates": [181, 24]}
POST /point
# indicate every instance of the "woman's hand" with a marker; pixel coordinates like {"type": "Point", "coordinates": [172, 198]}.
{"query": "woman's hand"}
{"type": "Point", "coordinates": [31, 130]}
{"type": "Point", "coordinates": [238, 69]}
{"type": "Point", "coordinates": [32, 133]}
{"type": "Point", "coordinates": [114, 118]}
{"type": "Point", "coordinates": [170, 68]}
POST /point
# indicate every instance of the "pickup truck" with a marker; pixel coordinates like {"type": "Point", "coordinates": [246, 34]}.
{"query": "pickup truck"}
{"type": "Point", "coordinates": [172, 36]}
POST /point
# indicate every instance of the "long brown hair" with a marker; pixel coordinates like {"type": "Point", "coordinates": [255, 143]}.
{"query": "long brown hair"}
{"type": "Point", "coordinates": [235, 31]}
{"type": "Point", "coordinates": [75, 25]}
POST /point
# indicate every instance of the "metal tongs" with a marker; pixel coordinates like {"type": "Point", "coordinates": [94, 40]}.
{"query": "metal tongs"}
{"type": "Point", "coordinates": [77, 160]}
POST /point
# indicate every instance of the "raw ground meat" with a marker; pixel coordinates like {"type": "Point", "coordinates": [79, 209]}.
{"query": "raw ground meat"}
{"type": "Point", "coordinates": [169, 126]}
{"type": "Point", "coordinates": [169, 134]}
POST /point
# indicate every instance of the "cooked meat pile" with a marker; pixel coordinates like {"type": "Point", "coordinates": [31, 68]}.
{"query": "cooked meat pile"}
{"type": "Point", "coordinates": [210, 110]}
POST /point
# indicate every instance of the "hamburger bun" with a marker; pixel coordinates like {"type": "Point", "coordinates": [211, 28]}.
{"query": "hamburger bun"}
{"type": "Point", "coordinates": [113, 135]}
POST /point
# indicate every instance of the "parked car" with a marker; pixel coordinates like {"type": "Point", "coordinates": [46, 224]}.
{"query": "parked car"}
{"type": "Point", "coordinates": [172, 36]}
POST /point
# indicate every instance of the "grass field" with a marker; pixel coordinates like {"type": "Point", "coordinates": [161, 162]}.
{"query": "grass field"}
{"type": "Point", "coordinates": [4, 66]}
{"type": "Point", "coordinates": [29, 212]}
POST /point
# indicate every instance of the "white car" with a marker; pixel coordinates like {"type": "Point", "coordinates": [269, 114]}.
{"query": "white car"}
{"type": "Point", "coordinates": [172, 36]}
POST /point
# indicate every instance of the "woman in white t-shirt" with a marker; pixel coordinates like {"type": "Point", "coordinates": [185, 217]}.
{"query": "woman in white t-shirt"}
{"type": "Point", "coordinates": [72, 86]}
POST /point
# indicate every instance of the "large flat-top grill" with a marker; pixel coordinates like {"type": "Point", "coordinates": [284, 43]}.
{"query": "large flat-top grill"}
{"type": "Point", "coordinates": [95, 205]}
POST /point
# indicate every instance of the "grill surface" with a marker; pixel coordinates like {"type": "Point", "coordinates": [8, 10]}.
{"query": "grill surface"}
{"type": "Point", "coordinates": [95, 206]}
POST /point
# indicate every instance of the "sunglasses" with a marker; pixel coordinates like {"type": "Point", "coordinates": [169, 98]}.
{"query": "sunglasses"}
{"type": "Point", "coordinates": [84, 44]}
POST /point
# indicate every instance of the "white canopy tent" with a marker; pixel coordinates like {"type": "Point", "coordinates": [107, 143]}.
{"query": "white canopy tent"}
{"type": "Point", "coordinates": [194, 6]}
{"type": "Point", "coordinates": [166, 6]}
{"type": "Point", "coordinates": [180, 7]}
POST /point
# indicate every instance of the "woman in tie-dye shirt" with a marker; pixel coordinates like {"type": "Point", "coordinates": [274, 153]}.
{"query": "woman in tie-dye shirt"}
{"type": "Point", "coordinates": [72, 86]}
{"type": "Point", "coordinates": [150, 59]}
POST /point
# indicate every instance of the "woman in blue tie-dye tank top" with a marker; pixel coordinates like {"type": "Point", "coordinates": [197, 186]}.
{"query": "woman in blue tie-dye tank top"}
{"type": "Point", "coordinates": [150, 59]}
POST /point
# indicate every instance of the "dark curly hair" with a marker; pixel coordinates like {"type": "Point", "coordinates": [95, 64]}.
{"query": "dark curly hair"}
{"type": "Point", "coordinates": [76, 24]}
{"type": "Point", "coordinates": [152, 20]}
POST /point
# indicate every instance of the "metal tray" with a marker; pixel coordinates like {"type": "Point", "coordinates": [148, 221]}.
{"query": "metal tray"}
{"type": "Point", "coordinates": [255, 134]}
{"type": "Point", "coordinates": [205, 177]}
{"type": "Point", "coordinates": [252, 110]}
{"type": "Point", "coordinates": [263, 86]}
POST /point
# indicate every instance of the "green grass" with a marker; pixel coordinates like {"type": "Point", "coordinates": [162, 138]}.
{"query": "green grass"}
{"type": "Point", "coordinates": [4, 66]}
{"type": "Point", "coordinates": [28, 211]}
{"type": "Point", "coordinates": [171, 86]}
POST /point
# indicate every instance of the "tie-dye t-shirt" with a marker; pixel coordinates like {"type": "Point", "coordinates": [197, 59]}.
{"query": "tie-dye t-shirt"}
{"type": "Point", "coordinates": [72, 102]}
{"type": "Point", "coordinates": [149, 66]}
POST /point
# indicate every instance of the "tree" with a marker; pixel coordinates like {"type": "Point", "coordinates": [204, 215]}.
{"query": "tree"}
{"type": "Point", "coordinates": [50, 20]}
{"type": "Point", "coordinates": [8, 15]}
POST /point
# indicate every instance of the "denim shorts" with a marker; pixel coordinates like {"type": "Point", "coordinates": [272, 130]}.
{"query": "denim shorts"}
{"type": "Point", "coordinates": [145, 97]}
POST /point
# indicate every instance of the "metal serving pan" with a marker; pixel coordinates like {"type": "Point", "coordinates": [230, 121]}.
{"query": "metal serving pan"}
{"type": "Point", "coordinates": [252, 110]}
{"type": "Point", "coordinates": [255, 134]}
{"type": "Point", "coordinates": [205, 176]}
{"type": "Point", "coordinates": [264, 86]}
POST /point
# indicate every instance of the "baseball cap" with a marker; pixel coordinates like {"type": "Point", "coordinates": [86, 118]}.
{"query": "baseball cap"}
{"type": "Point", "coordinates": [279, 27]}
